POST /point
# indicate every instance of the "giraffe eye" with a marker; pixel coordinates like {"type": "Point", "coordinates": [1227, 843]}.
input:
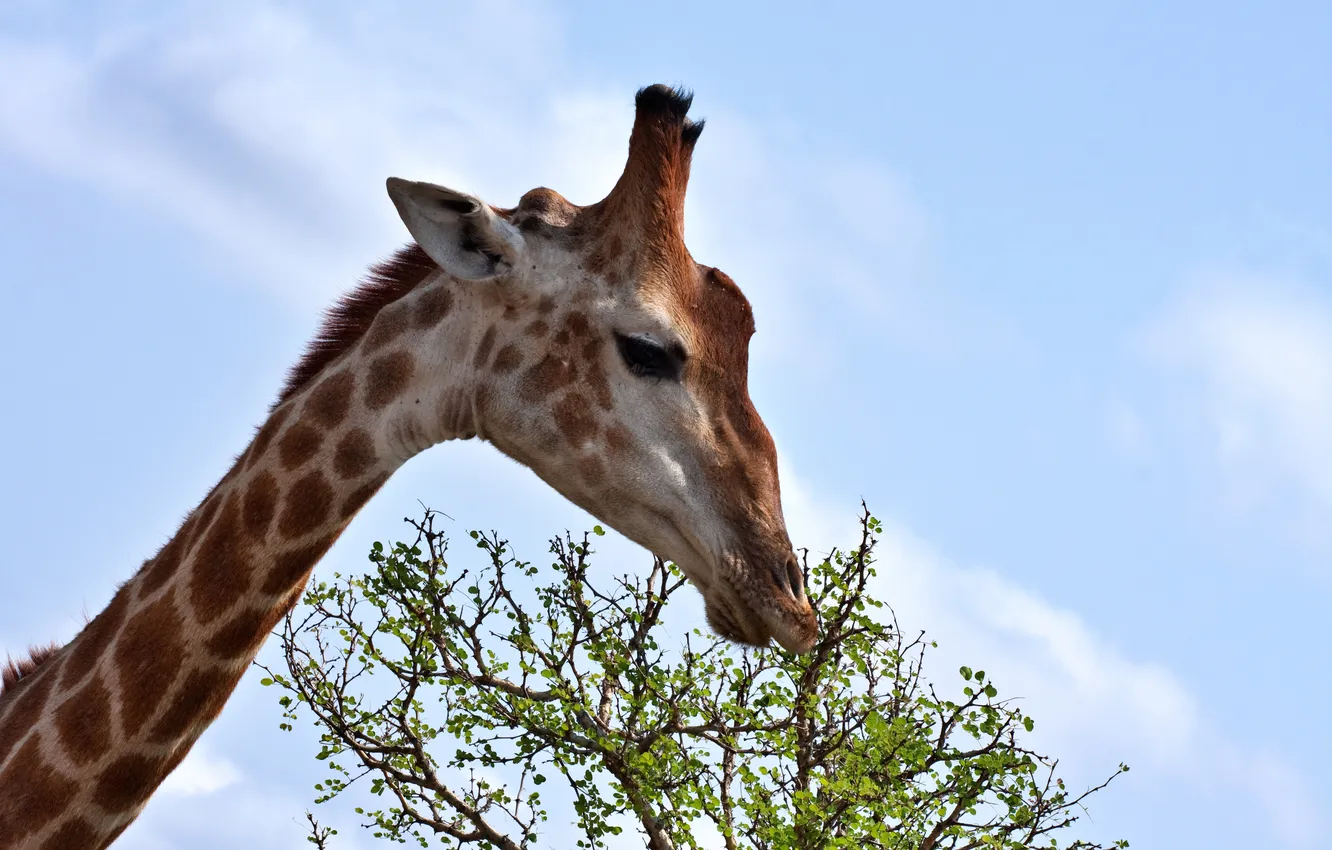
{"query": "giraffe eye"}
{"type": "Point", "coordinates": [647, 358]}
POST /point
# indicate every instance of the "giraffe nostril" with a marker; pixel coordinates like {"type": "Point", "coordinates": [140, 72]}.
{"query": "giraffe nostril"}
{"type": "Point", "coordinates": [790, 578]}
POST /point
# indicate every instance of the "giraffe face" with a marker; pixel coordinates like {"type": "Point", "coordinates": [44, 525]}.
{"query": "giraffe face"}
{"type": "Point", "coordinates": [615, 367]}
{"type": "Point", "coordinates": [629, 396]}
{"type": "Point", "coordinates": [703, 462]}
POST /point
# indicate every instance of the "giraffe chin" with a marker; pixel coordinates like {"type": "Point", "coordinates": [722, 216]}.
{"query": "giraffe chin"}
{"type": "Point", "coordinates": [735, 622]}
{"type": "Point", "coordinates": [789, 617]}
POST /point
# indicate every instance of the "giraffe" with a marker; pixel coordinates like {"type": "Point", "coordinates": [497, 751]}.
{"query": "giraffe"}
{"type": "Point", "coordinates": [584, 342]}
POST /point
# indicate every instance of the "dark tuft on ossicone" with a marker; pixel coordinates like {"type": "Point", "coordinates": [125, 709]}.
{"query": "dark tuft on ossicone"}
{"type": "Point", "coordinates": [692, 130]}
{"type": "Point", "coordinates": [663, 99]}
{"type": "Point", "coordinates": [673, 104]}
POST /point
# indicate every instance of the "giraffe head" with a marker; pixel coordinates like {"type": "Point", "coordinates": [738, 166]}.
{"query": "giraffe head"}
{"type": "Point", "coordinates": [614, 366]}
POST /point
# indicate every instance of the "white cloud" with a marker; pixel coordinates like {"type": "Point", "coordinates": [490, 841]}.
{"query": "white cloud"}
{"type": "Point", "coordinates": [1073, 680]}
{"type": "Point", "coordinates": [1093, 706]}
{"type": "Point", "coordinates": [253, 815]}
{"type": "Point", "coordinates": [1297, 818]}
{"type": "Point", "coordinates": [271, 137]}
{"type": "Point", "coordinates": [202, 772]}
{"type": "Point", "coordinates": [1253, 353]}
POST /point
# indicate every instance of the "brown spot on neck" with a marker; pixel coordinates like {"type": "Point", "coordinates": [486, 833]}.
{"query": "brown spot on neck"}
{"type": "Point", "coordinates": [221, 567]}
{"type": "Point", "coordinates": [388, 377]}
{"type": "Point", "coordinates": [127, 782]}
{"type": "Point", "coordinates": [349, 320]}
{"type": "Point", "coordinates": [206, 512]}
{"type": "Point", "coordinates": [77, 834]}
{"type": "Point", "coordinates": [331, 400]}
{"type": "Point", "coordinates": [84, 722]}
{"type": "Point", "coordinates": [92, 642]}
{"type": "Point", "coordinates": [291, 569]}
{"type": "Point", "coordinates": [164, 564]}
{"type": "Point", "coordinates": [593, 470]}
{"type": "Point", "coordinates": [26, 703]}
{"type": "Point", "coordinates": [35, 793]}
{"type": "Point", "coordinates": [242, 635]}
{"type": "Point", "coordinates": [355, 454]}
{"type": "Point", "coordinates": [432, 306]}
{"type": "Point", "coordinates": [261, 498]}
{"type": "Point", "coordinates": [306, 506]}
{"type": "Point", "coordinates": [298, 445]}
{"type": "Point", "coordinates": [266, 433]}
{"type": "Point", "coordinates": [619, 440]}
{"type": "Point", "coordinates": [148, 656]}
{"type": "Point", "coordinates": [391, 323]}
{"type": "Point", "coordinates": [360, 496]}
{"type": "Point", "coordinates": [198, 696]}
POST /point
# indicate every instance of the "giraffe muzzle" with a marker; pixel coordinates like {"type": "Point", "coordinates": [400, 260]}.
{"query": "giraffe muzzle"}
{"type": "Point", "coordinates": [773, 608]}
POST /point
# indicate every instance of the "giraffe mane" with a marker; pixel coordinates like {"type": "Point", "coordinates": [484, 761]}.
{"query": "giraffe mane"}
{"type": "Point", "coordinates": [348, 320]}
{"type": "Point", "coordinates": [342, 327]}
{"type": "Point", "coordinates": [14, 671]}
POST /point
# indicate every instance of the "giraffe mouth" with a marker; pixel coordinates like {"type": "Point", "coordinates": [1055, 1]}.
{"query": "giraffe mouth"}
{"type": "Point", "coordinates": [727, 611]}
{"type": "Point", "coordinates": [731, 618]}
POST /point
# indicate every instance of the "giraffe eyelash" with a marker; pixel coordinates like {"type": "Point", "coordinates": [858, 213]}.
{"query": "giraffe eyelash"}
{"type": "Point", "coordinates": [648, 358]}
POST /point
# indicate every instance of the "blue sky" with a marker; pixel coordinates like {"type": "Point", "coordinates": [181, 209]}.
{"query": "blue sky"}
{"type": "Point", "coordinates": [1049, 286]}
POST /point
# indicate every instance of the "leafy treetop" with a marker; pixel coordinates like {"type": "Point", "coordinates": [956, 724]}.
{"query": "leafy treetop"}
{"type": "Point", "coordinates": [457, 693]}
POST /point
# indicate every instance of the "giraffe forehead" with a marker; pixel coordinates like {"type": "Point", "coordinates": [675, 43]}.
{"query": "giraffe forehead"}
{"type": "Point", "coordinates": [708, 309]}
{"type": "Point", "coordinates": [723, 322]}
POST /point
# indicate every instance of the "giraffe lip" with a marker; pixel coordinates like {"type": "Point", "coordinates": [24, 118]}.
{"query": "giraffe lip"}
{"type": "Point", "coordinates": [741, 622]}
{"type": "Point", "coordinates": [792, 643]}
{"type": "Point", "coordinates": [736, 621]}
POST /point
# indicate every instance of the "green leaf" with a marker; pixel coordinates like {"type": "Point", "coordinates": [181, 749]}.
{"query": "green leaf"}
{"type": "Point", "coordinates": [417, 657]}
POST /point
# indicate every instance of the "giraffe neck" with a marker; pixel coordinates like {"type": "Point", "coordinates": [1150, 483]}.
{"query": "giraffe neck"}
{"type": "Point", "coordinates": [88, 736]}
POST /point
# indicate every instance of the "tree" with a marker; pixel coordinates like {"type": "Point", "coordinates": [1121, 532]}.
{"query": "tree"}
{"type": "Point", "coordinates": [430, 681]}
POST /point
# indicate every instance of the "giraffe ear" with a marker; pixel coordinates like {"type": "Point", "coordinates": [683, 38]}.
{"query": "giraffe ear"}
{"type": "Point", "coordinates": [458, 231]}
